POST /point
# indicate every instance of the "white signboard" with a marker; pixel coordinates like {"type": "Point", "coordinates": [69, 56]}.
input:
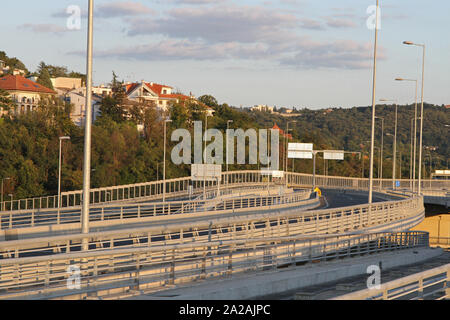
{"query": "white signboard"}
{"type": "Point", "coordinates": [443, 172]}
{"type": "Point", "coordinates": [300, 147]}
{"type": "Point", "coordinates": [333, 155]}
{"type": "Point", "coordinates": [208, 172]}
{"type": "Point", "coordinates": [273, 173]}
{"type": "Point", "coordinates": [300, 155]}
{"type": "Point", "coordinates": [300, 150]}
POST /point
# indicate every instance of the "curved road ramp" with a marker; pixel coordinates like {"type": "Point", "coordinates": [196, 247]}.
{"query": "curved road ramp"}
{"type": "Point", "coordinates": [239, 242]}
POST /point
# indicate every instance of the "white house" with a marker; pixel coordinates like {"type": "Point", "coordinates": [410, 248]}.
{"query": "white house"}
{"type": "Point", "coordinates": [78, 99]}
{"type": "Point", "coordinates": [262, 108]}
{"type": "Point", "coordinates": [24, 92]}
{"type": "Point", "coordinates": [161, 95]}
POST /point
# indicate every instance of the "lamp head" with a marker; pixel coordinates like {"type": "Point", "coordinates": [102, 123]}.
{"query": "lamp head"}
{"type": "Point", "coordinates": [408, 43]}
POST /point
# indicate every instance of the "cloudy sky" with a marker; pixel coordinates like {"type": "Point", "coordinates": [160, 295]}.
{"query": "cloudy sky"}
{"type": "Point", "coordinates": [303, 53]}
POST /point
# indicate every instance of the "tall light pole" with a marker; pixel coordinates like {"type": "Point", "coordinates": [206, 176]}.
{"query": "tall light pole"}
{"type": "Point", "coordinates": [88, 125]}
{"type": "Point", "coordinates": [411, 156]}
{"type": "Point", "coordinates": [415, 130]}
{"type": "Point", "coordinates": [204, 156]}
{"type": "Point", "coordinates": [394, 159]}
{"type": "Point", "coordinates": [409, 43]}
{"type": "Point", "coordinates": [3, 205]}
{"type": "Point", "coordinates": [12, 199]}
{"type": "Point", "coordinates": [394, 166]}
{"type": "Point", "coordinates": [374, 86]}
{"type": "Point", "coordinates": [286, 148]}
{"type": "Point", "coordinates": [164, 168]}
{"type": "Point", "coordinates": [59, 169]}
{"type": "Point", "coordinates": [228, 127]}
{"type": "Point", "coordinates": [382, 148]}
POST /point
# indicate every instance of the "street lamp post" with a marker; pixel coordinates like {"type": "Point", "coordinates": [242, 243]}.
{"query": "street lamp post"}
{"type": "Point", "coordinates": [59, 169]}
{"type": "Point", "coordinates": [286, 151]}
{"type": "Point", "coordinates": [394, 159]}
{"type": "Point", "coordinates": [3, 205]}
{"type": "Point", "coordinates": [415, 131]}
{"type": "Point", "coordinates": [421, 112]}
{"type": "Point", "coordinates": [88, 126]}
{"type": "Point", "coordinates": [204, 156]}
{"type": "Point", "coordinates": [12, 199]}
{"type": "Point", "coordinates": [411, 156]}
{"type": "Point", "coordinates": [374, 84]}
{"type": "Point", "coordinates": [228, 128]}
{"type": "Point", "coordinates": [394, 166]}
{"type": "Point", "coordinates": [286, 147]}
{"type": "Point", "coordinates": [164, 168]}
{"type": "Point", "coordinates": [380, 169]}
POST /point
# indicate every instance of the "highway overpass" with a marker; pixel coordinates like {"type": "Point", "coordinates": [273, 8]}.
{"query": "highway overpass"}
{"type": "Point", "coordinates": [139, 245]}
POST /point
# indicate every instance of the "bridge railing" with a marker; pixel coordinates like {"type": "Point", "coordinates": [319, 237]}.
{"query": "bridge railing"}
{"type": "Point", "coordinates": [98, 213]}
{"type": "Point", "coordinates": [181, 187]}
{"type": "Point", "coordinates": [392, 215]}
{"type": "Point", "coordinates": [431, 284]}
{"type": "Point", "coordinates": [147, 190]}
{"type": "Point", "coordinates": [440, 241]}
{"type": "Point", "coordinates": [154, 268]}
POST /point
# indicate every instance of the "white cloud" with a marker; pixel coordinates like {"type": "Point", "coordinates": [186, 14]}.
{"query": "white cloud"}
{"type": "Point", "coordinates": [122, 9]}
{"type": "Point", "coordinates": [44, 28]}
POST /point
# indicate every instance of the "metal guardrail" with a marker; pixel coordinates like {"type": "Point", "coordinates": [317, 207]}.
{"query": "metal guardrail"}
{"type": "Point", "coordinates": [431, 284]}
{"type": "Point", "coordinates": [44, 217]}
{"type": "Point", "coordinates": [154, 268]}
{"type": "Point", "coordinates": [393, 215]}
{"type": "Point", "coordinates": [139, 191]}
{"type": "Point", "coordinates": [180, 187]}
{"type": "Point", "coordinates": [440, 241]}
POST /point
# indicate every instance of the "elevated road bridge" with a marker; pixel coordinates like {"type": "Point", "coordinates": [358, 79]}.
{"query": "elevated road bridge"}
{"type": "Point", "coordinates": [134, 236]}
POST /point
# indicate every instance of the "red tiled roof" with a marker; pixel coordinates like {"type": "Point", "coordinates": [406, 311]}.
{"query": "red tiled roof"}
{"type": "Point", "coordinates": [276, 127]}
{"type": "Point", "coordinates": [19, 83]}
{"type": "Point", "coordinates": [156, 88]}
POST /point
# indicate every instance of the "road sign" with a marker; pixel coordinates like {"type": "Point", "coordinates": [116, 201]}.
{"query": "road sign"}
{"type": "Point", "coordinates": [397, 184]}
{"type": "Point", "coordinates": [300, 155]}
{"type": "Point", "coordinates": [273, 173]}
{"type": "Point", "coordinates": [206, 172]}
{"type": "Point", "coordinates": [300, 147]}
{"type": "Point", "coordinates": [333, 155]}
{"type": "Point", "coordinates": [300, 150]}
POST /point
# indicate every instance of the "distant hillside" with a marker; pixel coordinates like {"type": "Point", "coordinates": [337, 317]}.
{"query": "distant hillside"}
{"type": "Point", "coordinates": [349, 129]}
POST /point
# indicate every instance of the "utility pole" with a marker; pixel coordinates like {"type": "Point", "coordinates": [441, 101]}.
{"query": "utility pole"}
{"type": "Point", "coordinates": [88, 124]}
{"type": "Point", "coordinates": [374, 85]}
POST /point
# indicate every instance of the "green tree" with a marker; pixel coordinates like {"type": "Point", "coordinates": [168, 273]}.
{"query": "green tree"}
{"type": "Point", "coordinates": [6, 104]}
{"type": "Point", "coordinates": [113, 106]}
{"type": "Point", "coordinates": [44, 76]}
{"type": "Point", "coordinates": [209, 100]}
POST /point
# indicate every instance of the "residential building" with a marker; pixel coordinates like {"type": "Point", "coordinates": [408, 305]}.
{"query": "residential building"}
{"type": "Point", "coordinates": [77, 98]}
{"type": "Point", "coordinates": [262, 108]}
{"type": "Point", "coordinates": [2, 67]}
{"type": "Point", "coordinates": [18, 72]}
{"type": "Point", "coordinates": [25, 93]}
{"type": "Point", "coordinates": [102, 90]}
{"type": "Point", "coordinates": [63, 85]}
{"type": "Point", "coordinates": [161, 95]}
